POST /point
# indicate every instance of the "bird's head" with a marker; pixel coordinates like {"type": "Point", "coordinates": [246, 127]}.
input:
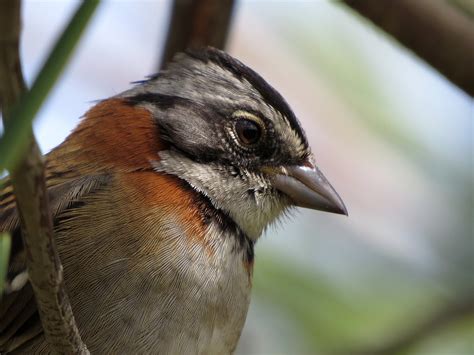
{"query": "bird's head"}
{"type": "Point", "coordinates": [233, 138]}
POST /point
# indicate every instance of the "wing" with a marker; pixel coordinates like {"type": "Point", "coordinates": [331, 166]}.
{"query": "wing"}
{"type": "Point", "coordinates": [19, 320]}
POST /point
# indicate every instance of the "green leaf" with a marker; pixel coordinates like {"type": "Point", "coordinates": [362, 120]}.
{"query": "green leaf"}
{"type": "Point", "coordinates": [5, 244]}
{"type": "Point", "coordinates": [17, 131]}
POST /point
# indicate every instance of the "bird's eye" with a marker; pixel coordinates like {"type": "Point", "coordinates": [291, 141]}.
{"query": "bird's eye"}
{"type": "Point", "coordinates": [248, 131]}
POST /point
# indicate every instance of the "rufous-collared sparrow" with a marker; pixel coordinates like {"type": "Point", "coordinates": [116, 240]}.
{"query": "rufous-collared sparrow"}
{"type": "Point", "coordinates": [158, 198]}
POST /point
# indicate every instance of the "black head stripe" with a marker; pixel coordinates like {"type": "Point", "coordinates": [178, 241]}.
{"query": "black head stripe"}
{"type": "Point", "coordinates": [160, 100]}
{"type": "Point", "coordinates": [241, 71]}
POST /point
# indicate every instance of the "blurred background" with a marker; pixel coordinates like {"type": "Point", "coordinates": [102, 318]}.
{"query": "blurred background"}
{"type": "Point", "coordinates": [393, 136]}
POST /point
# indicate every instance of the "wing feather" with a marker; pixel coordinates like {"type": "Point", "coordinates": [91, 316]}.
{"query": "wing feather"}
{"type": "Point", "coordinates": [19, 321]}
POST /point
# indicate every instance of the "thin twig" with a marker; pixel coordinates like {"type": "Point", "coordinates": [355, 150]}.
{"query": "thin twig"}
{"type": "Point", "coordinates": [197, 23]}
{"type": "Point", "coordinates": [28, 180]}
{"type": "Point", "coordinates": [435, 30]}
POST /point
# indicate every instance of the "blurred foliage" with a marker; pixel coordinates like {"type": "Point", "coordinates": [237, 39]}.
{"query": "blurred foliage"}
{"type": "Point", "coordinates": [456, 339]}
{"type": "Point", "coordinates": [340, 57]}
{"type": "Point", "coordinates": [333, 317]}
{"type": "Point", "coordinates": [467, 6]}
{"type": "Point", "coordinates": [336, 319]}
{"type": "Point", "coordinates": [5, 243]}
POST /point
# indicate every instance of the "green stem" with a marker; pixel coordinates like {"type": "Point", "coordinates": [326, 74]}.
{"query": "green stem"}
{"type": "Point", "coordinates": [5, 244]}
{"type": "Point", "coordinates": [17, 130]}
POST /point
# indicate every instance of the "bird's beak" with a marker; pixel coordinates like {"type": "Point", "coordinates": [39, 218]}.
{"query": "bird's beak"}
{"type": "Point", "coordinates": [307, 187]}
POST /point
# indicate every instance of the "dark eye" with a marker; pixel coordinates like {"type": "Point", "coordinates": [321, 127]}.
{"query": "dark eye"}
{"type": "Point", "coordinates": [249, 132]}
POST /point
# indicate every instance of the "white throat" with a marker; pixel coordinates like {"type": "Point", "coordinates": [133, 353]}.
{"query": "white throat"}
{"type": "Point", "coordinates": [251, 212]}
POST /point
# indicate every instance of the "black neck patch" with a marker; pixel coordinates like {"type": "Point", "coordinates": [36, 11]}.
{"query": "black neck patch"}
{"type": "Point", "coordinates": [225, 223]}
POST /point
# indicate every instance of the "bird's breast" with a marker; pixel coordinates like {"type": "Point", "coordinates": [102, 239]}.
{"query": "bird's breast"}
{"type": "Point", "coordinates": [146, 270]}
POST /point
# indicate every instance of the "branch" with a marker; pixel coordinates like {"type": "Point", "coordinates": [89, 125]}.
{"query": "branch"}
{"type": "Point", "coordinates": [27, 176]}
{"type": "Point", "coordinates": [435, 30]}
{"type": "Point", "coordinates": [12, 84]}
{"type": "Point", "coordinates": [197, 23]}
{"type": "Point", "coordinates": [44, 267]}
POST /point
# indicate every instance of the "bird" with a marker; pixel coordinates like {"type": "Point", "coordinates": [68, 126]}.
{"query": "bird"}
{"type": "Point", "coordinates": [158, 198]}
